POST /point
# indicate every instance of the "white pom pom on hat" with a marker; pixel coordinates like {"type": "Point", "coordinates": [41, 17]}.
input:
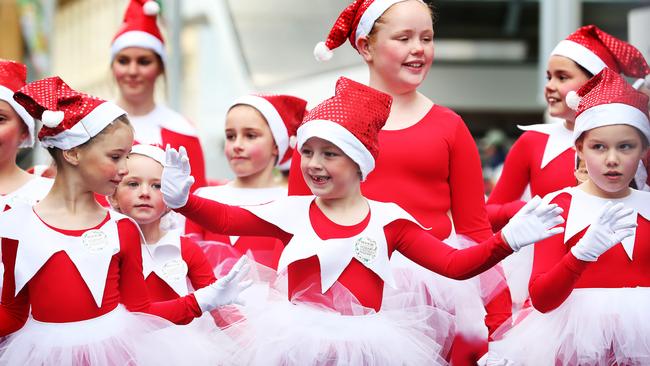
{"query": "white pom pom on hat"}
{"type": "Point", "coordinates": [151, 8]}
{"type": "Point", "coordinates": [322, 52]}
{"type": "Point", "coordinates": [573, 100]}
{"type": "Point", "coordinates": [52, 119]}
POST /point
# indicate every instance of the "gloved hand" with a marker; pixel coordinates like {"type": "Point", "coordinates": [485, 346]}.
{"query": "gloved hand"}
{"type": "Point", "coordinates": [176, 179]}
{"type": "Point", "coordinates": [607, 231]}
{"type": "Point", "coordinates": [493, 359]}
{"type": "Point", "coordinates": [226, 290]}
{"type": "Point", "coordinates": [534, 222]}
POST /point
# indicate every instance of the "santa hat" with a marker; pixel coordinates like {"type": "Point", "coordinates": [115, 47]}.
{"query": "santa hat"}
{"type": "Point", "coordinates": [283, 113]}
{"type": "Point", "coordinates": [594, 50]}
{"type": "Point", "coordinates": [351, 120]}
{"type": "Point", "coordinates": [152, 151]}
{"type": "Point", "coordinates": [608, 99]}
{"type": "Point", "coordinates": [355, 21]}
{"type": "Point", "coordinates": [139, 29]}
{"type": "Point", "coordinates": [13, 76]}
{"type": "Point", "coordinates": [69, 118]}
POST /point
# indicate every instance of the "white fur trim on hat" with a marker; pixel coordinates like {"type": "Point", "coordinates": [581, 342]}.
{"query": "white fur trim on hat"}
{"type": "Point", "coordinates": [150, 151]}
{"type": "Point", "coordinates": [273, 118]}
{"type": "Point", "coordinates": [611, 114]}
{"type": "Point", "coordinates": [580, 54]}
{"type": "Point", "coordinates": [7, 95]}
{"type": "Point", "coordinates": [341, 137]}
{"type": "Point", "coordinates": [370, 16]}
{"type": "Point", "coordinates": [87, 128]}
{"type": "Point", "coordinates": [138, 39]}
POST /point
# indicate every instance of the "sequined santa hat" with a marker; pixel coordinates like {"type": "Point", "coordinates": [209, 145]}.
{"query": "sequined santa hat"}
{"type": "Point", "coordinates": [152, 151]}
{"type": "Point", "coordinates": [354, 22]}
{"type": "Point", "coordinates": [351, 120]}
{"type": "Point", "coordinates": [140, 29]}
{"type": "Point", "coordinates": [283, 113]}
{"type": "Point", "coordinates": [69, 118]}
{"type": "Point", "coordinates": [594, 50]}
{"type": "Point", "coordinates": [13, 76]}
{"type": "Point", "coordinates": [608, 99]}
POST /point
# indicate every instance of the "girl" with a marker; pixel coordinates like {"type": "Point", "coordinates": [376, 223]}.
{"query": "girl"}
{"type": "Point", "coordinates": [543, 158]}
{"type": "Point", "coordinates": [78, 266]}
{"type": "Point", "coordinates": [137, 61]}
{"type": "Point", "coordinates": [439, 173]}
{"type": "Point", "coordinates": [590, 287]}
{"type": "Point", "coordinates": [170, 259]}
{"type": "Point", "coordinates": [338, 244]}
{"type": "Point", "coordinates": [258, 131]}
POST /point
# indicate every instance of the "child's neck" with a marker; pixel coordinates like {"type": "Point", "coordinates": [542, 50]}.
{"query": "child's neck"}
{"type": "Point", "coordinates": [262, 179]}
{"type": "Point", "coordinates": [591, 188]}
{"type": "Point", "coordinates": [152, 232]}
{"type": "Point", "coordinates": [137, 106]}
{"type": "Point", "coordinates": [408, 106]}
{"type": "Point", "coordinates": [347, 211]}
{"type": "Point", "coordinates": [12, 177]}
{"type": "Point", "coordinates": [568, 124]}
{"type": "Point", "coordinates": [69, 207]}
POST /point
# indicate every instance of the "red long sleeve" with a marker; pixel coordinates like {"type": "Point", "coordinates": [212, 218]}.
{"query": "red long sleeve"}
{"type": "Point", "coordinates": [14, 310]}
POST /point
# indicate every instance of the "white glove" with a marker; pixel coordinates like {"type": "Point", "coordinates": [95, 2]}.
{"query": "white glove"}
{"type": "Point", "coordinates": [534, 222]}
{"type": "Point", "coordinates": [226, 290]}
{"type": "Point", "coordinates": [176, 179]}
{"type": "Point", "coordinates": [607, 231]}
{"type": "Point", "coordinates": [493, 359]}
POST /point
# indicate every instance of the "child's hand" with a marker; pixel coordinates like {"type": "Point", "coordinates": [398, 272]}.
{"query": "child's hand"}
{"type": "Point", "coordinates": [609, 229]}
{"type": "Point", "coordinates": [226, 290]}
{"type": "Point", "coordinates": [534, 222]}
{"type": "Point", "coordinates": [176, 180]}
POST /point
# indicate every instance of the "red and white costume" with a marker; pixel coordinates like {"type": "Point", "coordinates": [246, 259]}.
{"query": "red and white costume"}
{"type": "Point", "coordinates": [223, 250]}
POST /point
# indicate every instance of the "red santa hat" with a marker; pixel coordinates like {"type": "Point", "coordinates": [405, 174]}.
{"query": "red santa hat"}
{"type": "Point", "coordinates": [152, 151]}
{"type": "Point", "coordinates": [594, 50]}
{"type": "Point", "coordinates": [13, 76]}
{"type": "Point", "coordinates": [355, 21]}
{"type": "Point", "coordinates": [608, 99]}
{"type": "Point", "coordinates": [140, 29]}
{"type": "Point", "coordinates": [351, 120]}
{"type": "Point", "coordinates": [69, 118]}
{"type": "Point", "coordinates": [283, 113]}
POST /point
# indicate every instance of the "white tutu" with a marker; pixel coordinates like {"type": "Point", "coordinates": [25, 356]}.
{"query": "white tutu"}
{"type": "Point", "coordinates": [595, 326]}
{"type": "Point", "coordinates": [279, 332]}
{"type": "Point", "coordinates": [116, 338]}
{"type": "Point", "coordinates": [518, 268]}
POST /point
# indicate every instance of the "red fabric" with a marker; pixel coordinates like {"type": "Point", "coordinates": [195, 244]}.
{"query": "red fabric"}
{"type": "Point", "coordinates": [404, 236]}
{"type": "Point", "coordinates": [265, 250]}
{"type": "Point", "coordinates": [556, 272]}
{"type": "Point", "coordinates": [58, 293]}
{"type": "Point", "coordinates": [194, 152]}
{"type": "Point", "coordinates": [135, 19]}
{"type": "Point", "coordinates": [13, 75]}
{"type": "Point", "coordinates": [523, 167]}
{"type": "Point", "coordinates": [199, 273]}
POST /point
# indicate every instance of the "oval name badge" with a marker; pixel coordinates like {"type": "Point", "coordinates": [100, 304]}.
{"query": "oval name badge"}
{"type": "Point", "coordinates": [174, 269]}
{"type": "Point", "coordinates": [365, 250]}
{"type": "Point", "coordinates": [94, 240]}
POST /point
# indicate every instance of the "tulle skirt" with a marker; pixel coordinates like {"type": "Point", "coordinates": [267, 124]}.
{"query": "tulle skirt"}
{"type": "Point", "coordinates": [279, 332]}
{"type": "Point", "coordinates": [116, 338]}
{"type": "Point", "coordinates": [593, 327]}
{"type": "Point", "coordinates": [517, 268]}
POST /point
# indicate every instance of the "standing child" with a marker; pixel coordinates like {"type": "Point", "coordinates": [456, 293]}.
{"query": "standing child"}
{"type": "Point", "coordinates": [137, 62]}
{"type": "Point", "coordinates": [338, 245]}
{"type": "Point", "coordinates": [77, 266]}
{"type": "Point", "coordinates": [591, 286]}
{"type": "Point", "coordinates": [429, 164]}
{"type": "Point", "coordinates": [259, 130]}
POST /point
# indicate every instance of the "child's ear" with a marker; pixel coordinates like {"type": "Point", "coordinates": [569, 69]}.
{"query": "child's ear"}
{"type": "Point", "coordinates": [71, 156]}
{"type": "Point", "coordinates": [363, 46]}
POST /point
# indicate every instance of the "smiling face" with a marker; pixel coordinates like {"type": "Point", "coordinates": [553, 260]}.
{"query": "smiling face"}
{"type": "Point", "coordinates": [138, 195]}
{"type": "Point", "coordinates": [328, 171]}
{"type": "Point", "coordinates": [563, 75]}
{"type": "Point", "coordinates": [399, 49]}
{"type": "Point", "coordinates": [136, 69]}
{"type": "Point", "coordinates": [249, 148]}
{"type": "Point", "coordinates": [611, 155]}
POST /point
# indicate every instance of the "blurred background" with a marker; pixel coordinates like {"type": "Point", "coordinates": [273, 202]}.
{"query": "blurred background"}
{"type": "Point", "coordinates": [490, 56]}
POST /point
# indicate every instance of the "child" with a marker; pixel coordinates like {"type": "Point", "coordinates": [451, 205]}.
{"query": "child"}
{"type": "Point", "coordinates": [79, 267]}
{"type": "Point", "coordinates": [429, 160]}
{"type": "Point", "coordinates": [170, 259]}
{"type": "Point", "coordinates": [543, 158]}
{"type": "Point", "coordinates": [590, 287]}
{"type": "Point", "coordinates": [338, 244]}
{"type": "Point", "coordinates": [258, 131]}
{"type": "Point", "coordinates": [137, 62]}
